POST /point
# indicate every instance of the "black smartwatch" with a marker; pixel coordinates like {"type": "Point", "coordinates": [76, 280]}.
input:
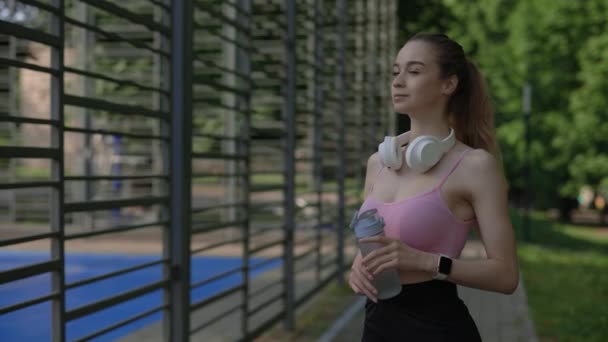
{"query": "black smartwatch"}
{"type": "Point", "coordinates": [444, 266]}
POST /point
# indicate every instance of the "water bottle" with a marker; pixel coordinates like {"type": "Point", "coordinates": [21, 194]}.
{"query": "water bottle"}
{"type": "Point", "coordinates": [370, 224]}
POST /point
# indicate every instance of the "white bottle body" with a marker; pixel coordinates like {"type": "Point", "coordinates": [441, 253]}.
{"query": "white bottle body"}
{"type": "Point", "coordinates": [387, 282]}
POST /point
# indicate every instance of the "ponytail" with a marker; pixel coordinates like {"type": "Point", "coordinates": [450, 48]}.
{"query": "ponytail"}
{"type": "Point", "coordinates": [470, 109]}
{"type": "Point", "coordinates": [471, 112]}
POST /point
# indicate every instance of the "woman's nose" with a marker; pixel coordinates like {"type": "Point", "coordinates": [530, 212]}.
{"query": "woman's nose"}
{"type": "Point", "coordinates": [398, 81]}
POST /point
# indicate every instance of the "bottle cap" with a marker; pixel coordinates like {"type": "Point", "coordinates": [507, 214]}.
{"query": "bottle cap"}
{"type": "Point", "coordinates": [369, 223]}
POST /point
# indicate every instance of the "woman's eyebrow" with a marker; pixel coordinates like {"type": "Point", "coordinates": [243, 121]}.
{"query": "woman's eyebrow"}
{"type": "Point", "coordinates": [410, 63]}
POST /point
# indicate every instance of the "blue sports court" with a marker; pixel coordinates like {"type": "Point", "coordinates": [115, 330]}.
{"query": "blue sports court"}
{"type": "Point", "coordinates": [33, 323]}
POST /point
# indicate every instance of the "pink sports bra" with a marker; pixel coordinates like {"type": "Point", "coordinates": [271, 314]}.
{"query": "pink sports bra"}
{"type": "Point", "coordinates": [423, 221]}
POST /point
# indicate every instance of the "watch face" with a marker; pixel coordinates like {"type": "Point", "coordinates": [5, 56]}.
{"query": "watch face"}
{"type": "Point", "coordinates": [445, 265]}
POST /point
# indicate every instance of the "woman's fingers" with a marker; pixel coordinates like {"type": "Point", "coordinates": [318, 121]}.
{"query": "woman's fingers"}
{"type": "Point", "coordinates": [365, 272]}
{"type": "Point", "coordinates": [379, 261]}
{"type": "Point", "coordinates": [385, 266]}
{"type": "Point", "coordinates": [352, 283]}
{"type": "Point", "coordinates": [376, 253]}
{"type": "Point", "coordinates": [359, 266]}
{"type": "Point", "coordinates": [364, 285]}
{"type": "Point", "coordinates": [357, 284]}
{"type": "Point", "coordinates": [354, 286]}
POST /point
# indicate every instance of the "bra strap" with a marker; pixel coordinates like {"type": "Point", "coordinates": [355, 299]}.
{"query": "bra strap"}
{"type": "Point", "coordinates": [454, 166]}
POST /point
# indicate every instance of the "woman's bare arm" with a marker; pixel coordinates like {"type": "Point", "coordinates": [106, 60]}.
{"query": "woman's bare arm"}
{"type": "Point", "coordinates": [499, 271]}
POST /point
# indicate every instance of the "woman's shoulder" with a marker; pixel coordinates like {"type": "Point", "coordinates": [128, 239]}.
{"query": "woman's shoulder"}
{"type": "Point", "coordinates": [479, 160]}
{"type": "Point", "coordinates": [478, 165]}
{"type": "Point", "coordinates": [374, 165]}
{"type": "Point", "coordinates": [373, 161]}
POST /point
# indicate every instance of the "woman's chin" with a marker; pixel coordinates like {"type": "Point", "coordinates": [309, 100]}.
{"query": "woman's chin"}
{"type": "Point", "coordinates": [401, 109]}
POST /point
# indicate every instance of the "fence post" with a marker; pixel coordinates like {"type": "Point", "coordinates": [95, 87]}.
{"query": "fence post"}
{"type": "Point", "coordinates": [181, 172]}
{"type": "Point", "coordinates": [340, 84]}
{"type": "Point", "coordinates": [289, 193]}
{"type": "Point", "coordinates": [57, 174]}
{"type": "Point", "coordinates": [359, 61]}
{"type": "Point", "coordinates": [243, 62]}
{"type": "Point", "coordinates": [316, 94]}
{"type": "Point", "coordinates": [392, 48]}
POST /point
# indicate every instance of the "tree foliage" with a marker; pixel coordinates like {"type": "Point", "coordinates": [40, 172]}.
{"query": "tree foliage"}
{"type": "Point", "coordinates": [561, 48]}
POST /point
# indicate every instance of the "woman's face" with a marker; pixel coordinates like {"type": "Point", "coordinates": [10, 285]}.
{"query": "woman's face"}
{"type": "Point", "coordinates": [417, 86]}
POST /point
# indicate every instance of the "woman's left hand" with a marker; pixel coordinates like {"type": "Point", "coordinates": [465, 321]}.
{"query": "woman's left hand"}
{"type": "Point", "coordinates": [393, 255]}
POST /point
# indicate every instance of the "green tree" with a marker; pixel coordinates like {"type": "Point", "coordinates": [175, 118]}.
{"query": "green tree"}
{"type": "Point", "coordinates": [537, 41]}
{"type": "Point", "coordinates": [587, 136]}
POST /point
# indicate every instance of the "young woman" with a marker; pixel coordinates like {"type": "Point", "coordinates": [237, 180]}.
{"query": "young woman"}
{"type": "Point", "coordinates": [431, 185]}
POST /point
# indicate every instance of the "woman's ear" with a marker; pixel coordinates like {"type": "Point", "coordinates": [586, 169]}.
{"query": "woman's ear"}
{"type": "Point", "coordinates": [450, 85]}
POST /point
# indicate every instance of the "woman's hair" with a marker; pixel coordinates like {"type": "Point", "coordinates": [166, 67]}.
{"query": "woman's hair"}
{"type": "Point", "coordinates": [469, 109]}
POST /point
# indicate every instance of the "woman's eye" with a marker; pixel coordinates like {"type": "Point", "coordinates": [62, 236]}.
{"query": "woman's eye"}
{"type": "Point", "coordinates": [415, 72]}
{"type": "Point", "coordinates": [395, 73]}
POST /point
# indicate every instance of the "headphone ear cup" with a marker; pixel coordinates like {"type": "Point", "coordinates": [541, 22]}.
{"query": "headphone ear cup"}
{"type": "Point", "coordinates": [384, 158]}
{"type": "Point", "coordinates": [390, 153]}
{"type": "Point", "coordinates": [423, 153]}
{"type": "Point", "coordinates": [397, 155]}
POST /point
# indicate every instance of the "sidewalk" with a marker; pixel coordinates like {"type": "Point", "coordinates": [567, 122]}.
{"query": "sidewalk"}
{"type": "Point", "coordinates": [499, 317]}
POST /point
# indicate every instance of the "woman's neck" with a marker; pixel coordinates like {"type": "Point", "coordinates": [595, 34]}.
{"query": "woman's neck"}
{"type": "Point", "coordinates": [437, 128]}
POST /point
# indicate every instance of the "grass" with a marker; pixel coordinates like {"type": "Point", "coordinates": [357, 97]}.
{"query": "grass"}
{"type": "Point", "coordinates": [564, 269]}
{"type": "Point", "coordinates": [313, 320]}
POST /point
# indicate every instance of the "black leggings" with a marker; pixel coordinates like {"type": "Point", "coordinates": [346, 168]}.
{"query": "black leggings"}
{"type": "Point", "coordinates": [428, 311]}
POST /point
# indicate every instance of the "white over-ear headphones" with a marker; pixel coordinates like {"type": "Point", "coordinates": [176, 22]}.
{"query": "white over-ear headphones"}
{"type": "Point", "coordinates": [421, 153]}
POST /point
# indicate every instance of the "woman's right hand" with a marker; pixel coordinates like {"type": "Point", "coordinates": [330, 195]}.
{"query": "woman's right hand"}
{"type": "Point", "coordinates": [360, 280]}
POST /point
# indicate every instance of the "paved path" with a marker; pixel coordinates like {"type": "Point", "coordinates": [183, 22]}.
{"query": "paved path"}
{"type": "Point", "coordinates": [499, 317]}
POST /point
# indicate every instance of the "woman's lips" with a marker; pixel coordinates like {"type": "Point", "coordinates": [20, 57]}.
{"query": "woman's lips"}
{"type": "Point", "coordinates": [398, 98]}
